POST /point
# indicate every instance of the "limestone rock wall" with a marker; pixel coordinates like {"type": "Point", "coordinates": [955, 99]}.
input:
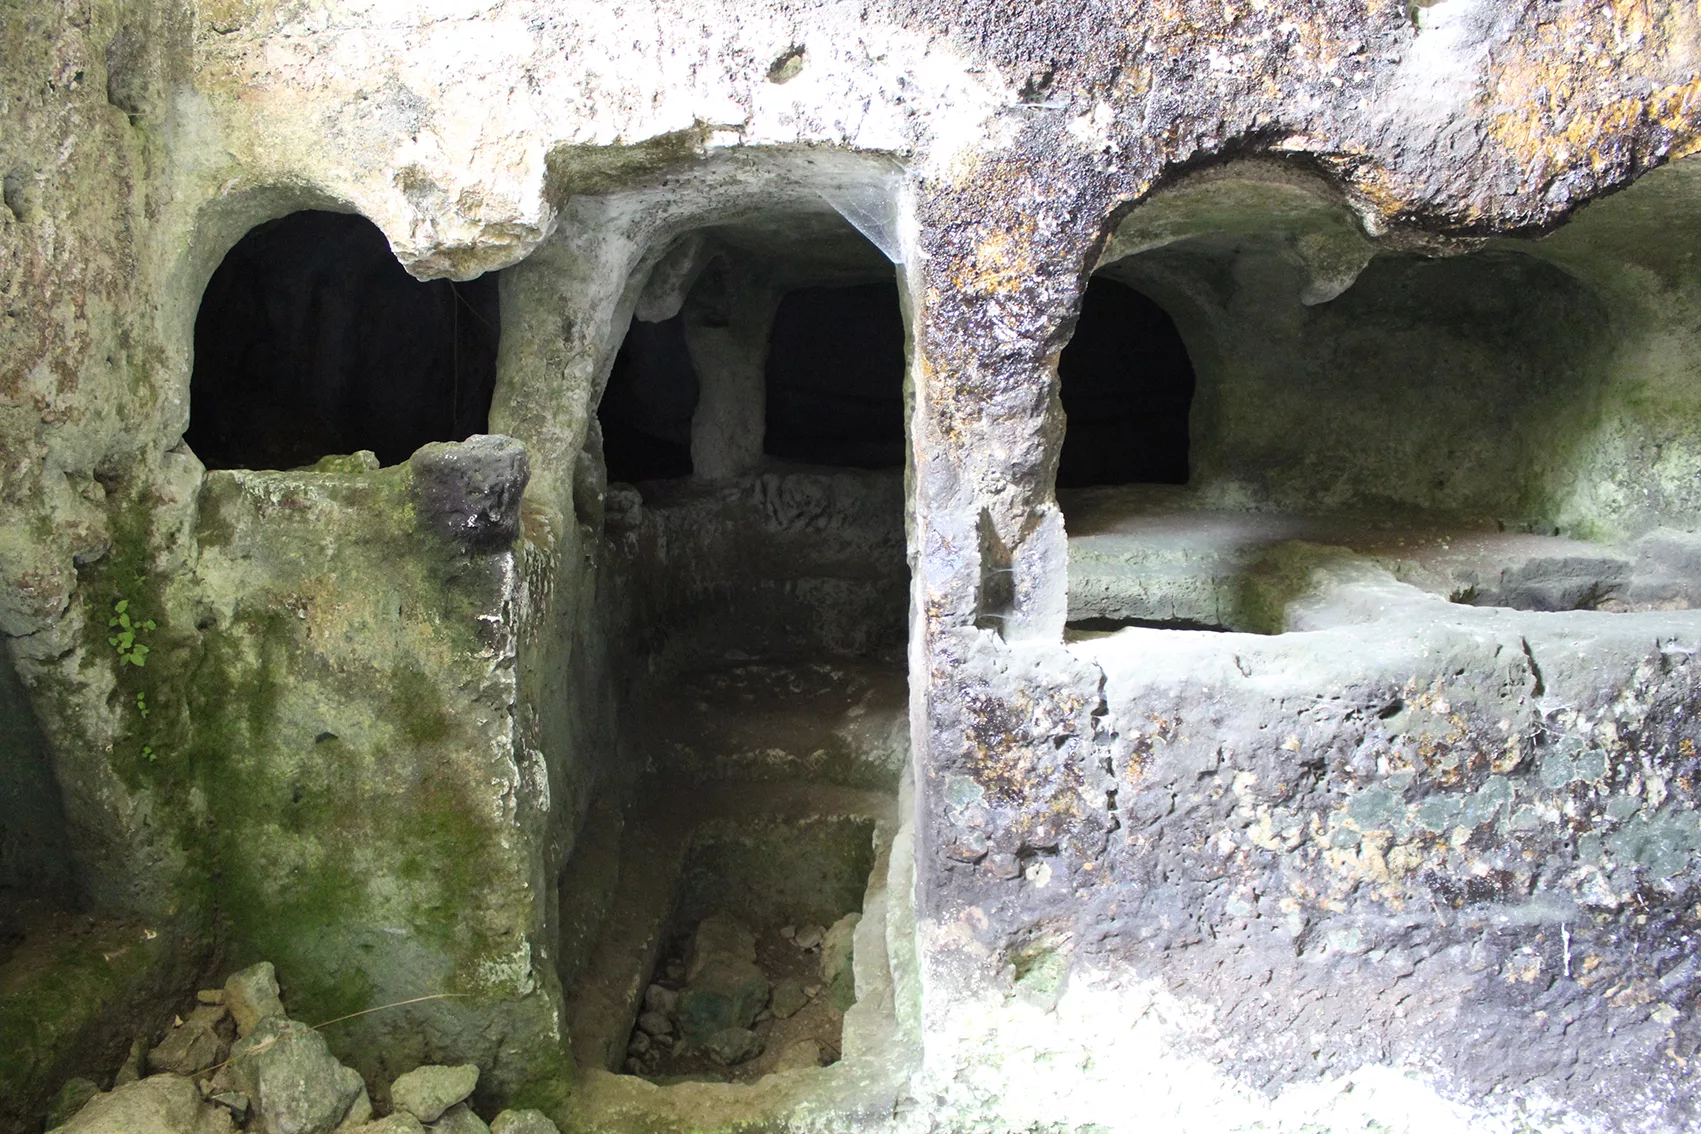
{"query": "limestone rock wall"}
{"type": "Point", "coordinates": [997, 154]}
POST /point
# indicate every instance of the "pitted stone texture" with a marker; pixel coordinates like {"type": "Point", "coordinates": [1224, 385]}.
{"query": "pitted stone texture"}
{"type": "Point", "coordinates": [724, 994]}
{"type": "Point", "coordinates": [470, 491]}
{"type": "Point", "coordinates": [391, 1124]}
{"type": "Point", "coordinates": [523, 1122]}
{"type": "Point", "coordinates": [295, 1084]}
{"type": "Point", "coordinates": [719, 938]}
{"type": "Point", "coordinates": [194, 1045]}
{"type": "Point", "coordinates": [252, 996]}
{"type": "Point", "coordinates": [733, 1045]}
{"type": "Point", "coordinates": [160, 1104]}
{"type": "Point", "coordinates": [459, 1119]}
{"type": "Point", "coordinates": [426, 1092]}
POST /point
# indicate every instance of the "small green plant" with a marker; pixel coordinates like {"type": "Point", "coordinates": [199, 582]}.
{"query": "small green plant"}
{"type": "Point", "coordinates": [148, 753]}
{"type": "Point", "coordinates": [124, 637]}
{"type": "Point", "coordinates": [142, 704]}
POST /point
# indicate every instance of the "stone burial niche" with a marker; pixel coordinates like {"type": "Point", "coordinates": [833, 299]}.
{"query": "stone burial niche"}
{"type": "Point", "coordinates": [723, 916]}
{"type": "Point", "coordinates": [312, 341]}
{"type": "Point", "coordinates": [1424, 412]}
{"type": "Point", "coordinates": [1126, 384]}
{"type": "Point", "coordinates": [1440, 762]}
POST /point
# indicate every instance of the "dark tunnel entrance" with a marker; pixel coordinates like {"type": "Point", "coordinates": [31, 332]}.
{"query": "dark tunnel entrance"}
{"type": "Point", "coordinates": [646, 409]}
{"type": "Point", "coordinates": [1126, 386]}
{"type": "Point", "coordinates": [313, 340]}
{"type": "Point", "coordinates": [835, 377]}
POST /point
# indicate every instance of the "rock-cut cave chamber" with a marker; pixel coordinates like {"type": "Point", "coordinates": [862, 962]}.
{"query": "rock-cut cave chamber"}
{"type": "Point", "coordinates": [632, 715]}
{"type": "Point", "coordinates": [752, 428]}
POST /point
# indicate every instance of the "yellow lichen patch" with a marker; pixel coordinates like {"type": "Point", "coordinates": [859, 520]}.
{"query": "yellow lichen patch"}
{"type": "Point", "coordinates": [1546, 103]}
{"type": "Point", "coordinates": [1001, 263]}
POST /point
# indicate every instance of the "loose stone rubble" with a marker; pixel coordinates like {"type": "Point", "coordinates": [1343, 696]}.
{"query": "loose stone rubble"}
{"type": "Point", "coordinates": [278, 1078]}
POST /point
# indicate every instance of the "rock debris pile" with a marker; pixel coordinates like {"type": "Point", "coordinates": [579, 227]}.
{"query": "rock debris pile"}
{"type": "Point", "coordinates": [728, 1002]}
{"type": "Point", "coordinates": [238, 1062]}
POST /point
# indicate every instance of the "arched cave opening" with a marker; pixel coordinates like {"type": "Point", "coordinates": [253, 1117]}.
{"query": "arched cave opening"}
{"type": "Point", "coordinates": [835, 377]}
{"type": "Point", "coordinates": [648, 404]}
{"type": "Point", "coordinates": [1126, 385]}
{"type": "Point", "coordinates": [753, 434]}
{"type": "Point", "coordinates": [1423, 413]}
{"type": "Point", "coordinates": [313, 340]}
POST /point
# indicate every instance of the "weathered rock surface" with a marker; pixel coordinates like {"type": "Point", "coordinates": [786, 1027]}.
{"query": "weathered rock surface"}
{"type": "Point", "coordinates": [725, 993]}
{"type": "Point", "coordinates": [251, 995]}
{"type": "Point", "coordinates": [799, 1055]}
{"type": "Point", "coordinates": [1340, 851]}
{"type": "Point", "coordinates": [295, 1084]}
{"type": "Point", "coordinates": [391, 1124]}
{"type": "Point", "coordinates": [458, 1119]}
{"type": "Point", "coordinates": [787, 999]}
{"type": "Point", "coordinates": [837, 973]}
{"type": "Point", "coordinates": [196, 1044]}
{"type": "Point", "coordinates": [719, 938]}
{"type": "Point", "coordinates": [159, 1104]}
{"type": "Point", "coordinates": [523, 1122]}
{"type": "Point", "coordinates": [470, 491]}
{"type": "Point", "coordinates": [733, 1045]}
{"type": "Point", "coordinates": [426, 1092]}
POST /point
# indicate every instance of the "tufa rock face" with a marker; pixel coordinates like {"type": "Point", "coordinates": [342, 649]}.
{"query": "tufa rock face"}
{"type": "Point", "coordinates": [470, 491]}
{"type": "Point", "coordinates": [1369, 821]}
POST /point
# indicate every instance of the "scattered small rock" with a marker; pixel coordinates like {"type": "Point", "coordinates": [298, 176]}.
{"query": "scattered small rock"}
{"type": "Point", "coordinates": [639, 1045]}
{"type": "Point", "coordinates": [655, 1024]}
{"type": "Point", "coordinates": [294, 1083]}
{"type": "Point", "coordinates": [426, 1092]}
{"type": "Point", "coordinates": [723, 994]}
{"type": "Point", "coordinates": [720, 938]}
{"type": "Point", "coordinates": [809, 937]}
{"type": "Point", "coordinates": [812, 990]}
{"type": "Point", "coordinates": [459, 1119]}
{"type": "Point", "coordinates": [162, 1104]}
{"type": "Point", "coordinates": [359, 1112]}
{"type": "Point", "coordinates": [659, 999]}
{"type": "Point", "coordinates": [394, 1124]}
{"type": "Point", "coordinates": [252, 996]}
{"type": "Point", "coordinates": [675, 970]}
{"type": "Point", "coordinates": [788, 931]}
{"type": "Point", "coordinates": [788, 999]}
{"type": "Point", "coordinates": [733, 1045]}
{"type": "Point", "coordinates": [234, 1101]}
{"type": "Point", "coordinates": [803, 1053]}
{"type": "Point", "coordinates": [523, 1122]}
{"type": "Point", "coordinates": [194, 1044]}
{"type": "Point", "coordinates": [210, 996]}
